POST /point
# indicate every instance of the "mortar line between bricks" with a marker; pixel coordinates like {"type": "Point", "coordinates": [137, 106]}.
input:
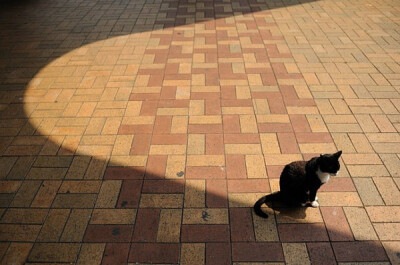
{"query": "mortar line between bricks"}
{"type": "Point", "coordinates": [184, 188]}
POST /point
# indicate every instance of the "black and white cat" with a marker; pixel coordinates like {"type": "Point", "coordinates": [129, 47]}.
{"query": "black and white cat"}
{"type": "Point", "coordinates": [300, 180]}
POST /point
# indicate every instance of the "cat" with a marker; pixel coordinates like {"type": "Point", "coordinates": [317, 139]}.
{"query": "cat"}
{"type": "Point", "coordinates": [300, 180]}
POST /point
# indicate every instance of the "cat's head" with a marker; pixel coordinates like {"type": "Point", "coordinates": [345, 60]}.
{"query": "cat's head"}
{"type": "Point", "coordinates": [329, 163]}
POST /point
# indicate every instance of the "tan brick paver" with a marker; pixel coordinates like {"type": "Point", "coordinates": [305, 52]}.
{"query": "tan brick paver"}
{"type": "Point", "coordinates": [144, 131]}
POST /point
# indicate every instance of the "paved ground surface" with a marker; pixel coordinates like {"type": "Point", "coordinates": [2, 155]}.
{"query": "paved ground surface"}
{"type": "Point", "coordinates": [144, 131]}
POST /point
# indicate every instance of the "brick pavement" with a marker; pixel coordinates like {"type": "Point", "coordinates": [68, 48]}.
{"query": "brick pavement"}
{"type": "Point", "coordinates": [143, 131]}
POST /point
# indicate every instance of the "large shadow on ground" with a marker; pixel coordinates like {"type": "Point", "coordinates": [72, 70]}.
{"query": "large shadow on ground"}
{"type": "Point", "coordinates": [35, 33]}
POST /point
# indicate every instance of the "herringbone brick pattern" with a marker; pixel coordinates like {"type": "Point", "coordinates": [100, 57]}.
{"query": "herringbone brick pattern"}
{"type": "Point", "coordinates": [144, 131]}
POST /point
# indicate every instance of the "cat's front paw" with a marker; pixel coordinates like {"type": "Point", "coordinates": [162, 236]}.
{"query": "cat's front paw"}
{"type": "Point", "coordinates": [315, 204]}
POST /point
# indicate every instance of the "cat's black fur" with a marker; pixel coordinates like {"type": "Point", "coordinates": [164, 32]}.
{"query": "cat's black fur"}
{"type": "Point", "coordinates": [299, 181]}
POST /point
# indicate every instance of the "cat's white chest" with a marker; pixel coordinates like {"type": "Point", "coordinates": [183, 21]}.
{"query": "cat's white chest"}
{"type": "Point", "coordinates": [323, 176]}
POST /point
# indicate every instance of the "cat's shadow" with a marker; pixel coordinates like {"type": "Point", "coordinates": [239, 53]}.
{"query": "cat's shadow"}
{"type": "Point", "coordinates": [291, 214]}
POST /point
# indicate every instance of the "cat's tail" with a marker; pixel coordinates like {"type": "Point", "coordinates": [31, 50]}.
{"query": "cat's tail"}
{"type": "Point", "coordinates": [267, 198]}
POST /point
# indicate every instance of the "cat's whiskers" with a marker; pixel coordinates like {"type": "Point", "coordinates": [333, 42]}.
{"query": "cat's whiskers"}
{"type": "Point", "coordinates": [334, 174]}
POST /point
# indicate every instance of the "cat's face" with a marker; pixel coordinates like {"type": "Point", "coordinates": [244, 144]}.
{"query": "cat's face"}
{"type": "Point", "coordinates": [329, 163]}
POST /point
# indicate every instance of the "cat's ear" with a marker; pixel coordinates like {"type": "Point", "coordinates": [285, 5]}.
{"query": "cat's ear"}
{"type": "Point", "coordinates": [337, 155]}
